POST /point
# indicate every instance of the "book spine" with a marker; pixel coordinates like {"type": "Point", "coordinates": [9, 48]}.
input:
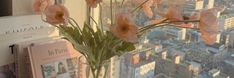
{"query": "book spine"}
{"type": "Point", "coordinates": [28, 64]}
{"type": "Point", "coordinates": [31, 62]}
{"type": "Point", "coordinates": [15, 53]}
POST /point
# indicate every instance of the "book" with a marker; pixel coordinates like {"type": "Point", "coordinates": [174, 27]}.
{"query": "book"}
{"type": "Point", "coordinates": [55, 59]}
{"type": "Point", "coordinates": [14, 29]}
{"type": "Point", "coordinates": [7, 71]}
{"type": "Point", "coordinates": [22, 62]}
{"type": "Point", "coordinates": [5, 7]}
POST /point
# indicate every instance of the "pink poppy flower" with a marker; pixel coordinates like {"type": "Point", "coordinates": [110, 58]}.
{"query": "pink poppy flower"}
{"type": "Point", "coordinates": [56, 14]}
{"type": "Point", "coordinates": [93, 3]}
{"type": "Point", "coordinates": [173, 13]}
{"type": "Point", "coordinates": [40, 5]}
{"type": "Point", "coordinates": [124, 28]}
{"type": "Point", "coordinates": [209, 26]}
{"type": "Point", "coordinates": [170, 9]}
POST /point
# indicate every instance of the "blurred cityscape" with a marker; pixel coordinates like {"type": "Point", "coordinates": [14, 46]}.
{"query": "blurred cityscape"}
{"type": "Point", "coordinates": [170, 52]}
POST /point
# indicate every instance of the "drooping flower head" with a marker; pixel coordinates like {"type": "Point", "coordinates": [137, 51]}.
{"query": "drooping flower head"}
{"type": "Point", "coordinates": [209, 25]}
{"type": "Point", "coordinates": [56, 14]}
{"type": "Point", "coordinates": [170, 9]}
{"type": "Point", "coordinates": [40, 5]}
{"type": "Point", "coordinates": [124, 28]}
{"type": "Point", "coordinates": [93, 3]}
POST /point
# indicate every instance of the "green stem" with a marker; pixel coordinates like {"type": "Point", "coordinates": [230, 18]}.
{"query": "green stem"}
{"type": "Point", "coordinates": [93, 72]}
{"type": "Point", "coordinates": [153, 26]}
{"type": "Point", "coordinates": [183, 21]}
{"type": "Point", "coordinates": [164, 21]}
{"type": "Point", "coordinates": [100, 17]}
{"type": "Point", "coordinates": [73, 20]}
{"type": "Point", "coordinates": [98, 71]}
{"type": "Point", "coordinates": [111, 12]}
{"type": "Point", "coordinates": [149, 26]}
{"type": "Point", "coordinates": [94, 20]}
{"type": "Point", "coordinates": [122, 3]}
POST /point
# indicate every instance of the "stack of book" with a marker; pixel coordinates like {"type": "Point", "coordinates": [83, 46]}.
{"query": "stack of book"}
{"type": "Point", "coordinates": [31, 48]}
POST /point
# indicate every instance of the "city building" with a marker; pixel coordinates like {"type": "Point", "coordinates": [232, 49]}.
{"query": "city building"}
{"type": "Point", "coordinates": [199, 4]}
{"type": "Point", "coordinates": [228, 66]}
{"type": "Point", "coordinates": [145, 71]}
{"type": "Point", "coordinates": [210, 4]}
{"type": "Point", "coordinates": [192, 6]}
{"type": "Point", "coordinates": [161, 75]}
{"type": "Point", "coordinates": [226, 22]}
{"type": "Point", "coordinates": [135, 58]}
{"type": "Point", "coordinates": [137, 65]}
{"type": "Point", "coordinates": [176, 33]}
{"type": "Point", "coordinates": [218, 37]}
{"type": "Point", "coordinates": [176, 54]}
{"type": "Point", "coordinates": [171, 69]}
{"type": "Point", "coordinates": [164, 55]}
{"type": "Point", "coordinates": [158, 48]}
{"type": "Point", "coordinates": [229, 39]}
{"type": "Point", "coordinates": [193, 36]}
{"type": "Point", "coordinates": [214, 72]}
{"type": "Point", "coordinates": [215, 48]}
{"type": "Point", "coordinates": [177, 59]}
{"type": "Point", "coordinates": [196, 68]}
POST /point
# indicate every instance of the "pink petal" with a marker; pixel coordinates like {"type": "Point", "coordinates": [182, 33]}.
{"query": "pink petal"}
{"type": "Point", "coordinates": [93, 3]}
{"type": "Point", "coordinates": [56, 14]}
{"type": "Point", "coordinates": [148, 12]}
{"type": "Point", "coordinates": [129, 33]}
{"type": "Point", "coordinates": [40, 5]}
{"type": "Point", "coordinates": [174, 14]}
{"type": "Point", "coordinates": [190, 25]}
{"type": "Point", "coordinates": [208, 38]}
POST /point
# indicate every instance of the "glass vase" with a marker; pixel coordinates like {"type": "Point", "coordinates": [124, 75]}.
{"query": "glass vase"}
{"type": "Point", "coordinates": [88, 71]}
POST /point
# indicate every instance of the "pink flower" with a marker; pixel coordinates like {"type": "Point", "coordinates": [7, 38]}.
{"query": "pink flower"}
{"type": "Point", "coordinates": [173, 13]}
{"type": "Point", "coordinates": [93, 3]}
{"type": "Point", "coordinates": [40, 5]}
{"type": "Point", "coordinates": [170, 9]}
{"type": "Point", "coordinates": [56, 14]}
{"type": "Point", "coordinates": [124, 28]}
{"type": "Point", "coordinates": [209, 25]}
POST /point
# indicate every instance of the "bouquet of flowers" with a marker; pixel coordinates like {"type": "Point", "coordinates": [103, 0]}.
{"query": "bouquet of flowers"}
{"type": "Point", "coordinates": [100, 45]}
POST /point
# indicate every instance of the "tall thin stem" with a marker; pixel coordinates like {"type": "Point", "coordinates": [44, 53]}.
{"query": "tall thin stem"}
{"type": "Point", "coordinates": [183, 21]}
{"type": "Point", "coordinates": [94, 20]}
{"type": "Point", "coordinates": [165, 21]}
{"type": "Point", "coordinates": [122, 3]}
{"type": "Point", "coordinates": [100, 17]}
{"type": "Point", "coordinates": [111, 12]}
{"type": "Point", "coordinates": [149, 26]}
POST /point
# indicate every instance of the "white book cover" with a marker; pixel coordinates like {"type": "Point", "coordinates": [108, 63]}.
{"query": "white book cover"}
{"type": "Point", "coordinates": [55, 59]}
{"type": "Point", "coordinates": [15, 29]}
